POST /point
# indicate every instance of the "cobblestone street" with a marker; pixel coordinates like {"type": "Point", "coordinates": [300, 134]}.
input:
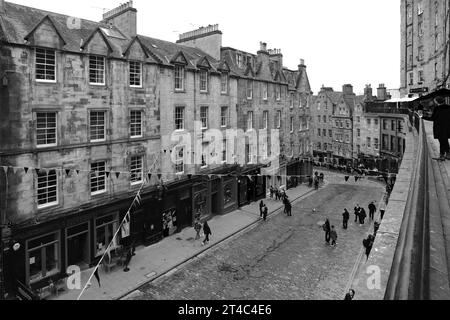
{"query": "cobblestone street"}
{"type": "Point", "coordinates": [283, 258]}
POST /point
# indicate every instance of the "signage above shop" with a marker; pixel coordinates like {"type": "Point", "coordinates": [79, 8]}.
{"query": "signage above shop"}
{"type": "Point", "coordinates": [419, 90]}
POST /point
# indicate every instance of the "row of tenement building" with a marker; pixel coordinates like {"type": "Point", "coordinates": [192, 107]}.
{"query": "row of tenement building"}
{"type": "Point", "coordinates": [92, 110]}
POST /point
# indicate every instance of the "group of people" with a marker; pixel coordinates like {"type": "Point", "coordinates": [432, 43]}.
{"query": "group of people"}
{"type": "Point", "coordinates": [206, 231]}
{"type": "Point", "coordinates": [277, 193]}
{"type": "Point", "coordinates": [330, 233]}
{"type": "Point", "coordinates": [316, 180]}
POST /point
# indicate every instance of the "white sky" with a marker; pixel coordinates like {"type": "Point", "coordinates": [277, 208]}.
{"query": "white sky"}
{"type": "Point", "coordinates": [342, 41]}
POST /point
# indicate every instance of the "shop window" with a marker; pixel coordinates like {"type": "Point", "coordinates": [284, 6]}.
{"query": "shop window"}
{"type": "Point", "coordinates": [43, 257]}
{"type": "Point", "coordinates": [105, 229]}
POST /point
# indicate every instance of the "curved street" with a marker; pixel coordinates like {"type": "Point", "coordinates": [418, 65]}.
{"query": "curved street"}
{"type": "Point", "coordinates": [285, 258]}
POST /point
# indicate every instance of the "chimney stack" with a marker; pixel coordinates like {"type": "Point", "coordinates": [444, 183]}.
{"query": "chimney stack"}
{"type": "Point", "coordinates": [347, 89]}
{"type": "Point", "coordinates": [368, 92]}
{"type": "Point", "coordinates": [207, 39]}
{"type": "Point", "coordinates": [263, 46]}
{"type": "Point", "coordinates": [124, 18]}
{"type": "Point", "coordinates": [382, 92]}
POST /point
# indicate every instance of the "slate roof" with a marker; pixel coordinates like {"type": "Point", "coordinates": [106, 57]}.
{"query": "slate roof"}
{"type": "Point", "coordinates": [19, 21]}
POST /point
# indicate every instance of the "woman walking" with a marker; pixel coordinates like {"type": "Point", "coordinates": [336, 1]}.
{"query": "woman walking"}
{"type": "Point", "coordinates": [327, 228]}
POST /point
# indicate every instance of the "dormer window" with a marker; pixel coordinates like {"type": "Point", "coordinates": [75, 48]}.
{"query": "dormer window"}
{"type": "Point", "coordinates": [45, 65]}
{"type": "Point", "coordinates": [239, 60]}
{"type": "Point", "coordinates": [179, 78]}
{"type": "Point", "coordinates": [96, 70]}
{"type": "Point", "coordinates": [203, 81]}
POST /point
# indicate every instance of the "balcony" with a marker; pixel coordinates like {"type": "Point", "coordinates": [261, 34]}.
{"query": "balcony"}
{"type": "Point", "coordinates": [410, 258]}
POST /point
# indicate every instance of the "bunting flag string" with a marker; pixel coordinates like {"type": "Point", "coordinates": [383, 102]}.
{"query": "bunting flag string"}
{"type": "Point", "coordinates": [117, 174]}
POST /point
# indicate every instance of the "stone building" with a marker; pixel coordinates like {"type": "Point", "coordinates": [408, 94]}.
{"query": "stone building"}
{"type": "Point", "coordinates": [270, 98]}
{"type": "Point", "coordinates": [322, 119]}
{"type": "Point", "coordinates": [88, 114]}
{"type": "Point", "coordinates": [425, 53]}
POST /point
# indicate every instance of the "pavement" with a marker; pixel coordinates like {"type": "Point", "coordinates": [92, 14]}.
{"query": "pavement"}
{"type": "Point", "coordinates": [170, 254]}
{"type": "Point", "coordinates": [285, 258]}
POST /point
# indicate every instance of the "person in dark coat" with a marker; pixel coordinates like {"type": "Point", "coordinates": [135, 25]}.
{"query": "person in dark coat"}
{"type": "Point", "coordinates": [327, 228]}
{"type": "Point", "coordinates": [350, 295]}
{"type": "Point", "coordinates": [372, 210]}
{"type": "Point", "coordinates": [288, 208]}
{"type": "Point", "coordinates": [261, 206]}
{"type": "Point", "coordinates": [368, 244]}
{"type": "Point", "coordinates": [265, 212]}
{"type": "Point", "coordinates": [357, 210]}
{"type": "Point", "coordinates": [441, 127]}
{"type": "Point", "coordinates": [207, 232]}
{"type": "Point", "coordinates": [346, 217]}
{"type": "Point", "coordinates": [362, 216]}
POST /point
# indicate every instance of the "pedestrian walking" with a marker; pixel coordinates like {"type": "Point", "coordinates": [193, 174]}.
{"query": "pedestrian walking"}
{"type": "Point", "coordinates": [357, 210]}
{"type": "Point", "coordinates": [368, 244]}
{"type": "Point", "coordinates": [327, 228]}
{"type": "Point", "coordinates": [362, 216]}
{"type": "Point", "coordinates": [207, 232]}
{"type": "Point", "coordinates": [265, 212]}
{"type": "Point", "coordinates": [441, 128]}
{"type": "Point", "coordinates": [310, 181]}
{"type": "Point", "coordinates": [316, 183]}
{"type": "Point", "coordinates": [322, 177]}
{"type": "Point", "coordinates": [333, 236]}
{"type": "Point", "coordinates": [372, 210]}
{"type": "Point", "coordinates": [272, 191]}
{"type": "Point", "coordinates": [382, 209]}
{"type": "Point", "coordinates": [346, 217]}
{"type": "Point", "coordinates": [350, 295]}
{"type": "Point", "coordinates": [277, 194]}
{"type": "Point", "coordinates": [198, 229]}
{"type": "Point", "coordinates": [288, 208]}
{"type": "Point", "coordinates": [261, 206]}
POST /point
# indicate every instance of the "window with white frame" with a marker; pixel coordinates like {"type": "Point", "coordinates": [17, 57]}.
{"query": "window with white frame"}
{"type": "Point", "coordinates": [265, 90]}
{"type": "Point", "coordinates": [47, 189]}
{"type": "Point", "coordinates": [278, 92]}
{"type": "Point", "coordinates": [203, 80]}
{"type": "Point", "coordinates": [249, 120]}
{"type": "Point", "coordinates": [45, 65]}
{"type": "Point", "coordinates": [136, 170]}
{"type": "Point", "coordinates": [179, 160]}
{"type": "Point", "coordinates": [239, 60]}
{"type": "Point", "coordinates": [96, 70]}
{"type": "Point", "coordinates": [179, 78]}
{"type": "Point", "coordinates": [204, 117]}
{"type": "Point", "coordinates": [105, 229]}
{"type": "Point", "coordinates": [376, 143]}
{"type": "Point", "coordinates": [97, 125]}
{"type": "Point", "coordinates": [292, 124]}
{"type": "Point", "coordinates": [278, 123]}
{"type": "Point", "coordinates": [291, 100]}
{"type": "Point", "coordinates": [179, 118]}
{"type": "Point", "coordinates": [224, 83]}
{"type": "Point", "coordinates": [249, 89]}
{"type": "Point", "coordinates": [136, 123]}
{"type": "Point", "coordinates": [224, 117]}
{"type": "Point", "coordinates": [265, 120]}
{"type": "Point", "coordinates": [98, 177]}
{"type": "Point", "coordinates": [46, 129]}
{"type": "Point", "coordinates": [369, 142]}
{"type": "Point", "coordinates": [135, 74]}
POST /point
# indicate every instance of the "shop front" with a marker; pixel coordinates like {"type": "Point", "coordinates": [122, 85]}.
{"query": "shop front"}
{"type": "Point", "coordinates": [251, 186]}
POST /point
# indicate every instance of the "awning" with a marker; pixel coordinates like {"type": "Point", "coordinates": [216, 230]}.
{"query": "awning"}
{"type": "Point", "coordinates": [439, 93]}
{"type": "Point", "coordinates": [406, 99]}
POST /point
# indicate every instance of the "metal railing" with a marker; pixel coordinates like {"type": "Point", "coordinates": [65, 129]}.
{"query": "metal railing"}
{"type": "Point", "coordinates": [409, 276]}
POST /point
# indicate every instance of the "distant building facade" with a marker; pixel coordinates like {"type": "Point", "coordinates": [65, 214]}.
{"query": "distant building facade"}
{"type": "Point", "coordinates": [425, 50]}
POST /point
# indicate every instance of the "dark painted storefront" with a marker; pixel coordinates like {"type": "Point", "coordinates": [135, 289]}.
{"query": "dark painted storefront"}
{"type": "Point", "coordinates": [251, 186]}
{"type": "Point", "coordinates": [297, 172]}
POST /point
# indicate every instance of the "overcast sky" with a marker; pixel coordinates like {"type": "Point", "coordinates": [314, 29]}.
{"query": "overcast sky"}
{"type": "Point", "coordinates": [342, 41]}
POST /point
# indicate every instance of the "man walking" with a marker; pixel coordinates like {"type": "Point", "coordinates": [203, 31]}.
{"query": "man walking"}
{"type": "Point", "coordinates": [372, 210]}
{"type": "Point", "coordinates": [265, 212]}
{"type": "Point", "coordinates": [382, 209]}
{"type": "Point", "coordinates": [288, 208]}
{"type": "Point", "coordinates": [261, 207]}
{"type": "Point", "coordinates": [362, 216]}
{"type": "Point", "coordinates": [357, 210]}
{"type": "Point", "coordinates": [207, 232]}
{"type": "Point", "coordinates": [346, 217]}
